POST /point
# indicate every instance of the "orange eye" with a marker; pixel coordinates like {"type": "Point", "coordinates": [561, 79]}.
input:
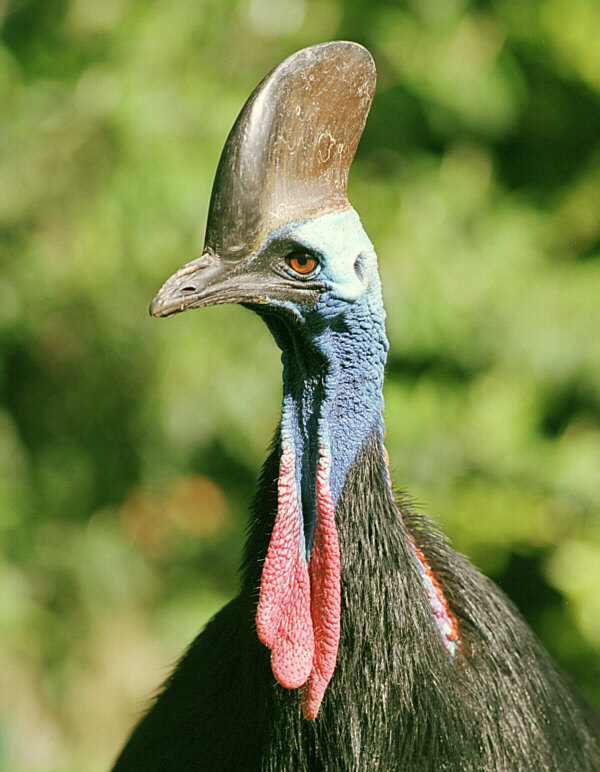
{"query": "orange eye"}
{"type": "Point", "coordinates": [301, 263]}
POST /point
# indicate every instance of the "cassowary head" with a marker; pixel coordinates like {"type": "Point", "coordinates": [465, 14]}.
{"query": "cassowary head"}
{"type": "Point", "coordinates": [283, 240]}
{"type": "Point", "coordinates": [280, 230]}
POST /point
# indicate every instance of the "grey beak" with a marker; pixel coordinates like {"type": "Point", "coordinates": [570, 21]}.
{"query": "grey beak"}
{"type": "Point", "coordinates": [188, 286]}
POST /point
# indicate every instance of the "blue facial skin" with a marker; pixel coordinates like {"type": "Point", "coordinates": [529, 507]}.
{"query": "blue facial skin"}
{"type": "Point", "coordinates": [333, 353]}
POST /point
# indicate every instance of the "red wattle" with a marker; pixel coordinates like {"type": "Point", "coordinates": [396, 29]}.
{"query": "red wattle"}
{"type": "Point", "coordinates": [324, 569]}
{"type": "Point", "coordinates": [298, 614]}
{"type": "Point", "coordinates": [283, 618]}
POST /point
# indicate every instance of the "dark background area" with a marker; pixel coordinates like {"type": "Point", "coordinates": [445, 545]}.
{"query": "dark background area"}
{"type": "Point", "coordinates": [129, 447]}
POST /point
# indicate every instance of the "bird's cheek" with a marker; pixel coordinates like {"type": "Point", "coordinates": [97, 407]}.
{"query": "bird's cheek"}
{"type": "Point", "coordinates": [347, 288]}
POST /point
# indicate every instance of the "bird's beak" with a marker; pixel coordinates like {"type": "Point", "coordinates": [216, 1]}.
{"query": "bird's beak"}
{"type": "Point", "coordinates": [188, 287]}
{"type": "Point", "coordinates": [206, 281]}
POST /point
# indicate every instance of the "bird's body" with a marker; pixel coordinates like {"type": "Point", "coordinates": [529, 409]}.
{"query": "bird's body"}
{"type": "Point", "coordinates": [408, 658]}
{"type": "Point", "coordinates": [395, 702]}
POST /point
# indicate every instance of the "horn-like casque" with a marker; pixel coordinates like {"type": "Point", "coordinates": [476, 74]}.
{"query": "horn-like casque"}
{"type": "Point", "coordinates": [288, 154]}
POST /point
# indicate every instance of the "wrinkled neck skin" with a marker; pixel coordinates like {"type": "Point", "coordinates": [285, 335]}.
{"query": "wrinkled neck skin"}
{"type": "Point", "coordinates": [333, 367]}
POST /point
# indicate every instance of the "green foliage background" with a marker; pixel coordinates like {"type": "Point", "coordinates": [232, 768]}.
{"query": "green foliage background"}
{"type": "Point", "coordinates": [129, 447]}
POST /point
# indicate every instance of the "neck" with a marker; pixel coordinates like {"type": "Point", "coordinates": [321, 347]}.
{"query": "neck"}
{"type": "Point", "coordinates": [333, 376]}
{"type": "Point", "coordinates": [333, 401]}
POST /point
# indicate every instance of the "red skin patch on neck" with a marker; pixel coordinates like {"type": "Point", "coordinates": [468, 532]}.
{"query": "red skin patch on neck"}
{"type": "Point", "coordinates": [283, 619]}
{"type": "Point", "coordinates": [445, 619]}
{"type": "Point", "coordinates": [298, 614]}
{"type": "Point", "coordinates": [326, 593]}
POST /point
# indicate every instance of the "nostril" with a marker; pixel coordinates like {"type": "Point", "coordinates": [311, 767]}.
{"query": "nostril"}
{"type": "Point", "coordinates": [188, 289]}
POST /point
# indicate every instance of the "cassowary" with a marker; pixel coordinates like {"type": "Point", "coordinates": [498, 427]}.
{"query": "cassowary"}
{"type": "Point", "coordinates": [359, 640]}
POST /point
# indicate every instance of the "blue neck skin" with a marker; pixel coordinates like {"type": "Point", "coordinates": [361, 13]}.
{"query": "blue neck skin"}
{"type": "Point", "coordinates": [333, 359]}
